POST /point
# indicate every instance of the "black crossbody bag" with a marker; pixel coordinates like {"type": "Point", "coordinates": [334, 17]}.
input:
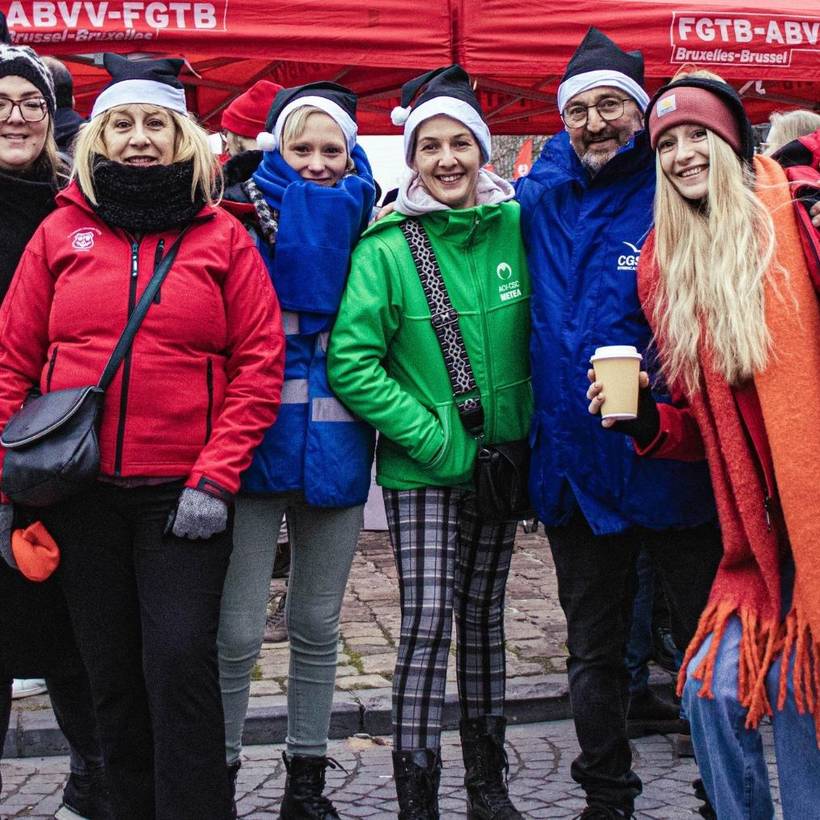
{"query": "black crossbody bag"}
{"type": "Point", "coordinates": [502, 470]}
{"type": "Point", "coordinates": [51, 443]}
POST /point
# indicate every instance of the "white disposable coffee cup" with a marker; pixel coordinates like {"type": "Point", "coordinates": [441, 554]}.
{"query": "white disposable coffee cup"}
{"type": "Point", "coordinates": [617, 368]}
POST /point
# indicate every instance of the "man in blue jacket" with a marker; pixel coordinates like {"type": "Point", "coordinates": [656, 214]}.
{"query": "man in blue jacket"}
{"type": "Point", "coordinates": [586, 210]}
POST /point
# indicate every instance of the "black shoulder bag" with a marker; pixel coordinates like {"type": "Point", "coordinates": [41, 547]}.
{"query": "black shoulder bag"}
{"type": "Point", "coordinates": [51, 443]}
{"type": "Point", "coordinates": [502, 470]}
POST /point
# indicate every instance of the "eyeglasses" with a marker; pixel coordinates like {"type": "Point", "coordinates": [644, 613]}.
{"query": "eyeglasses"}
{"type": "Point", "coordinates": [31, 110]}
{"type": "Point", "coordinates": [609, 108]}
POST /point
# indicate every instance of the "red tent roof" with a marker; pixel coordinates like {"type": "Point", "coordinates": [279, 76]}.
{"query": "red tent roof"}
{"type": "Point", "coordinates": [515, 52]}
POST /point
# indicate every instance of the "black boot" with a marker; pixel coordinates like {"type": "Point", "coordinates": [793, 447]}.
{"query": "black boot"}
{"type": "Point", "coordinates": [233, 771]}
{"type": "Point", "coordinates": [303, 798]}
{"type": "Point", "coordinates": [651, 715]}
{"type": "Point", "coordinates": [417, 774]}
{"type": "Point", "coordinates": [486, 768]}
{"type": "Point", "coordinates": [86, 796]}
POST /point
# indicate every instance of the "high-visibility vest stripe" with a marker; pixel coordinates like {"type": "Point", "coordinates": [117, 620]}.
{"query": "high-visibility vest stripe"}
{"type": "Point", "coordinates": [329, 409]}
{"type": "Point", "coordinates": [290, 322]}
{"type": "Point", "coordinates": [295, 391]}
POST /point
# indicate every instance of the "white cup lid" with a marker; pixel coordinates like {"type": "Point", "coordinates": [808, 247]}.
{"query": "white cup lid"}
{"type": "Point", "coordinates": [616, 352]}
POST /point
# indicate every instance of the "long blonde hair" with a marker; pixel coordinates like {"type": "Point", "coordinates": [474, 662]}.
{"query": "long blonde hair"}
{"type": "Point", "coordinates": [789, 126]}
{"type": "Point", "coordinates": [714, 258]}
{"type": "Point", "coordinates": [190, 143]}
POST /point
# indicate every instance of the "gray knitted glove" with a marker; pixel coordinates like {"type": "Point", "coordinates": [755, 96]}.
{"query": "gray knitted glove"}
{"type": "Point", "coordinates": [6, 519]}
{"type": "Point", "coordinates": [199, 515]}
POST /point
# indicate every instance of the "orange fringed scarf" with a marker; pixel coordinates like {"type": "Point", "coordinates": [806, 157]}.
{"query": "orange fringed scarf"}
{"type": "Point", "coordinates": [747, 583]}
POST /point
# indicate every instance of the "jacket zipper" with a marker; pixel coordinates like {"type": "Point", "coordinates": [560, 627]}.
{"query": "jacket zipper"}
{"type": "Point", "coordinates": [126, 367]}
{"type": "Point", "coordinates": [51, 368]}
{"type": "Point", "coordinates": [157, 260]}
{"type": "Point", "coordinates": [209, 380]}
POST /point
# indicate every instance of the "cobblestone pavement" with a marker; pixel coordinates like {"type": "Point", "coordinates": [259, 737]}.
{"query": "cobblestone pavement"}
{"type": "Point", "coordinates": [535, 626]}
{"type": "Point", "coordinates": [536, 655]}
{"type": "Point", "coordinates": [540, 755]}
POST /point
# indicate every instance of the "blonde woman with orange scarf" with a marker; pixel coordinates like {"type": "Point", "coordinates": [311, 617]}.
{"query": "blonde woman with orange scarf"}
{"type": "Point", "coordinates": [724, 284]}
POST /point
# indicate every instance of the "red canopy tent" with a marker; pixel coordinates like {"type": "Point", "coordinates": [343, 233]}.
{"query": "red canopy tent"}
{"type": "Point", "coordinates": [769, 51]}
{"type": "Point", "coordinates": [516, 52]}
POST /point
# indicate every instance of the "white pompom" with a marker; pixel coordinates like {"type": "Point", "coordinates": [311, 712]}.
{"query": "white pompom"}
{"type": "Point", "coordinates": [265, 141]}
{"type": "Point", "coordinates": [399, 115]}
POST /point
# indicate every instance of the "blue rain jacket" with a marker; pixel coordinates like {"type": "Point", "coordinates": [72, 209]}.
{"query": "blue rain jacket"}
{"type": "Point", "coordinates": [583, 237]}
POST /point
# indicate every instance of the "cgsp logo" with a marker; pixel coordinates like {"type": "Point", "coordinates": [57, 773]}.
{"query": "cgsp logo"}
{"type": "Point", "coordinates": [629, 261]}
{"type": "Point", "coordinates": [83, 238]}
{"type": "Point", "coordinates": [503, 271]}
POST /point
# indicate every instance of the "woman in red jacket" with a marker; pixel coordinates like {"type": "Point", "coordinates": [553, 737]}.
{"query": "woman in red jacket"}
{"type": "Point", "coordinates": [723, 282]}
{"type": "Point", "coordinates": [144, 551]}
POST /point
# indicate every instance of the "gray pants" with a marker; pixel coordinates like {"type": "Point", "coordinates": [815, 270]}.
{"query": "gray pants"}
{"type": "Point", "coordinates": [323, 541]}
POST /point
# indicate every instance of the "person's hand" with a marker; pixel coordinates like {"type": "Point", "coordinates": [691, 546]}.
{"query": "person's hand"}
{"type": "Point", "coordinates": [645, 427]}
{"type": "Point", "coordinates": [6, 519]}
{"type": "Point", "coordinates": [814, 213]}
{"type": "Point", "coordinates": [198, 515]}
{"type": "Point", "coordinates": [386, 210]}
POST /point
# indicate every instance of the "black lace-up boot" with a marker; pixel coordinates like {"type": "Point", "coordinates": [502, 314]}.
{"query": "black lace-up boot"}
{"type": "Point", "coordinates": [486, 768]}
{"type": "Point", "coordinates": [417, 773]}
{"type": "Point", "coordinates": [303, 798]}
{"type": "Point", "coordinates": [233, 771]}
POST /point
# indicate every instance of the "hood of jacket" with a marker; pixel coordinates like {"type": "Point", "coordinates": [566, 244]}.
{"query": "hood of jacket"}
{"type": "Point", "coordinates": [415, 200]}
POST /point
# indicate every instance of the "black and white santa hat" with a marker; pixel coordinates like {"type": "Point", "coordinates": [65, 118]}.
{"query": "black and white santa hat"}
{"type": "Point", "coordinates": [150, 82]}
{"type": "Point", "coordinates": [599, 61]}
{"type": "Point", "coordinates": [21, 61]}
{"type": "Point", "coordinates": [445, 91]}
{"type": "Point", "coordinates": [338, 102]}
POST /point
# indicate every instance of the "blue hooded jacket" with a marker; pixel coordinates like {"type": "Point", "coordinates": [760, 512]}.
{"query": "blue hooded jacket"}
{"type": "Point", "coordinates": [583, 236]}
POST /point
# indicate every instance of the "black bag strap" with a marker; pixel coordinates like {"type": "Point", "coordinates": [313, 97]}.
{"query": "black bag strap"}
{"type": "Point", "coordinates": [138, 314]}
{"type": "Point", "coordinates": [444, 319]}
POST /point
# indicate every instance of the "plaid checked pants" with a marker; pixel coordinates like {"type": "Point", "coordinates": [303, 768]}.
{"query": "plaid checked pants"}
{"type": "Point", "coordinates": [450, 562]}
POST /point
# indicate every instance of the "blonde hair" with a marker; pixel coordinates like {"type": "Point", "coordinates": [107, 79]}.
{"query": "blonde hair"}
{"type": "Point", "coordinates": [713, 258]}
{"type": "Point", "coordinates": [789, 126]}
{"type": "Point", "coordinates": [190, 143]}
{"type": "Point", "coordinates": [295, 126]}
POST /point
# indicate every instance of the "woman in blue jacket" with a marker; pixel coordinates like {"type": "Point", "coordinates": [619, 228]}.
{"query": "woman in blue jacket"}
{"type": "Point", "coordinates": [307, 200]}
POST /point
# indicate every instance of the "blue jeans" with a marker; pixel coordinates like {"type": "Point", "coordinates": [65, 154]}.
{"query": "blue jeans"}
{"type": "Point", "coordinates": [730, 756]}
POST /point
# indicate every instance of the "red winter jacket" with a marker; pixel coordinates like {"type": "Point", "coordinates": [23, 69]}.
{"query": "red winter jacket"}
{"type": "Point", "coordinates": [203, 378]}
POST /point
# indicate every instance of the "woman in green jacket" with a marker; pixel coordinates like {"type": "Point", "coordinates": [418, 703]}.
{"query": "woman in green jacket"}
{"type": "Point", "coordinates": [386, 364]}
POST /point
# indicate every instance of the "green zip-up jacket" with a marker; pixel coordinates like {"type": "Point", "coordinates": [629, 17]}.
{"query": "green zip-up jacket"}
{"type": "Point", "coordinates": [385, 363]}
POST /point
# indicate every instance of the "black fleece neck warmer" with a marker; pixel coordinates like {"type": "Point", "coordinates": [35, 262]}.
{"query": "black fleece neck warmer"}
{"type": "Point", "coordinates": [145, 200]}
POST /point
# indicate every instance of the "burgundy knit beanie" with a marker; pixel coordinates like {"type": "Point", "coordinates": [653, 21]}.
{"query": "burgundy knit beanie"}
{"type": "Point", "coordinates": [686, 104]}
{"type": "Point", "coordinates": [246, 115]}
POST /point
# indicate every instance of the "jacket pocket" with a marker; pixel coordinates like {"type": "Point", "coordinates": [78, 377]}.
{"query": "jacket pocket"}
{"type": "Point", "coordinates": [209, 386]}
{"type": "Point", "coordinates": [51, 362]}
{"type": "Point", "coordinates": [454, 462]}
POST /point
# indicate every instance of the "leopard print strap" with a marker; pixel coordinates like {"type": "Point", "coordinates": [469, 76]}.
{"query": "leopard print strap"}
{"type": "Point", "coordinates": [268, 217]}
{"type": "Point", "coordinates": [444, 319]}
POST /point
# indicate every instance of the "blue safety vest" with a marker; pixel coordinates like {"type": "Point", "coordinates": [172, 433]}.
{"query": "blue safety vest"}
{"type": "Point", "coordinates": [316, 445]}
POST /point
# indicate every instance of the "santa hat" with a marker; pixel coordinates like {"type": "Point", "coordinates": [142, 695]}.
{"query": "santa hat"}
{"type": "Point", "coordinates": [150, 82]}
{"type": "Point", "coordinates": [246, 114]}
{"type": "Point", "coordinates": [338, 102]}
{"type": "Point", "coordinates": [443, 91]}
{"type": "Point", "coordinates": [598, 61]}
{"type": "Point", "coordinates": [21, 61]}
